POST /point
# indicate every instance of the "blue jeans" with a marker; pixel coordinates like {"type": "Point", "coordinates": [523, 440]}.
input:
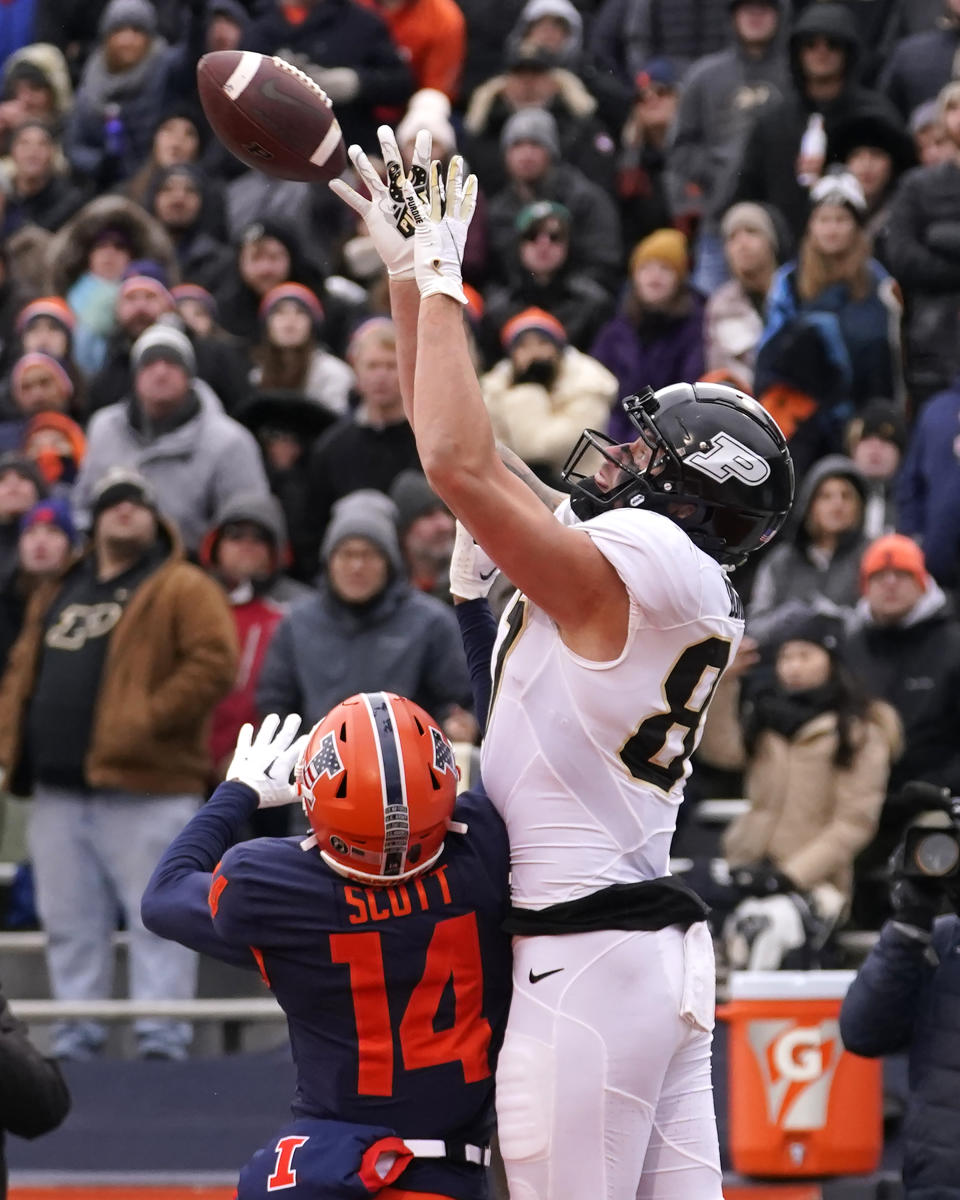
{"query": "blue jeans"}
{"type": "Point", "coordinates": [93, 853]}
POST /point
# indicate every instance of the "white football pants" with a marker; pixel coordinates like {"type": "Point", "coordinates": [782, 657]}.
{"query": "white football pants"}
{"type": "Point", "coordinates": [604, 1089]}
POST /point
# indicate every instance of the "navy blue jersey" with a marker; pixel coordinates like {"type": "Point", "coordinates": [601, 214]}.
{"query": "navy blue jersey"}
{"type": "Point", "coordinates": [396, 997]}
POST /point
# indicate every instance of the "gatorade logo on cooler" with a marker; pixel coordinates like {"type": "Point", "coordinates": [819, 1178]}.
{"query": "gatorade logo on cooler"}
{"type": "Point", "coordinates": [797, 1063]}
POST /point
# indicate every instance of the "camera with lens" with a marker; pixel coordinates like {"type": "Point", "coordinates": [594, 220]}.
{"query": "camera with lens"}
{"type": "Point", "coordinates": [930, 848]}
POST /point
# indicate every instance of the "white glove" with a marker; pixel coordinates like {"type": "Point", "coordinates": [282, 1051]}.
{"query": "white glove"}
{"type": "Point", "coordinates": [342, 84]}
{"type": "Point", "coordinates": [442, 234]}
{"type": "Point", "coordinates": [264, 762]}
{"type": "Point", "coordinates": [387, 215]}
{"type": "Point", "coordinates": [472, 570]}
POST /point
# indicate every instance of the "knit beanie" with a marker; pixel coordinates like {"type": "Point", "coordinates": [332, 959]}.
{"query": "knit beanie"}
{"type": "Point", "coordinates": [747, 215]}
{"type": "Point", "coordinates": [165, 343]}
{"type": "Point", "coordinates": [53, 511]}
{"type": "Point", "coordinates": [26, 468]}
{"type": "Point", "coordinates": [893, 552]}
{"type": "Point", "coordinates": [533, 318]}
{"type": "Point", "coordinates": [51, 463]}
{"type": "Point", "coordinates": [663, 245]}
{"type": "Point", "coordinates": [531, 125]}
{"type": "Point", "coordinates": [541, 210]}
{"type": "Point", "coordinates": [53, 307]}
{"type": "Point", "coordinates": [819, 628]}
{"type": "Point", "coordinates": [365, 514]}
{"type": "Point", "coordinates": [193, 291]}
{"type": "Point", "coordinates": [296, 292]}
{"type": "Point", "coordinates": [882, 419]}
{"type": "Point", "coordinates": [128, 14]}
{"type": "Point", "coordinates": [119, 484]}
{"type": "Point", "coordinates": [38, 359]}
{"type": "Point", "coordinates": [139, 275]}
{"type": "Point", "coordinates": [413, 497]}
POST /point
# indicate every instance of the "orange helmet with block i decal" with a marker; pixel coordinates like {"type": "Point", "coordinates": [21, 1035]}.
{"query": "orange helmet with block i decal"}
{"type": "Point", "coordinates": [378, 781]}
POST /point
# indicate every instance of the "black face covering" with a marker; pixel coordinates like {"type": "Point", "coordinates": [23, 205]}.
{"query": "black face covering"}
{"type": "Point", "coordinates": [541, 370]}
{"type": "Point", "coordinates": [786, 712]}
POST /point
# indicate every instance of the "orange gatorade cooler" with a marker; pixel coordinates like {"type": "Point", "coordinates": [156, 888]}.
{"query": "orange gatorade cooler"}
{"type": "Point", "coordinates": [799, 1103]}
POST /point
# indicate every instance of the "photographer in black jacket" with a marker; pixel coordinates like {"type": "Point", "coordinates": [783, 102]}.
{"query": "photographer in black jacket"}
{"type": "Point", "coordinates": [906, 997]}
{"type": "Point", "coordinates": [33, 1096]}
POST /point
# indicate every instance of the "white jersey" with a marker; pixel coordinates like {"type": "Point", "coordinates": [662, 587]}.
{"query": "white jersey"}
{"type": "Point", "coordinates": [586, 761]}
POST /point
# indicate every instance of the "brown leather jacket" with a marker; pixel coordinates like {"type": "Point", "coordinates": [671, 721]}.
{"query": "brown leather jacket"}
{"type": "Point", "coordinates": [172, 656]}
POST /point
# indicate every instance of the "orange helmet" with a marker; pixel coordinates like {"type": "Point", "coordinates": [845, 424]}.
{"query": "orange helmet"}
{"type": "Point", "coordinates": [378, 782]}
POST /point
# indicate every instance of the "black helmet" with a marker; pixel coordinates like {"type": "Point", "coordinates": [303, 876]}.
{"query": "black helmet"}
{"type": "Point", "coordinates": [711, 447]}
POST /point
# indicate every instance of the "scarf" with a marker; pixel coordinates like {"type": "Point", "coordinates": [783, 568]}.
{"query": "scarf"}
{"type": "Point", "coordinates": [101, 87]}
{"type": "Point", "coordinates": [786, 712]}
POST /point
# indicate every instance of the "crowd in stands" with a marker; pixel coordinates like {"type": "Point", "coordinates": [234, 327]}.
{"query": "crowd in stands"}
{"type": "Point", "coordinates": [210, 500]}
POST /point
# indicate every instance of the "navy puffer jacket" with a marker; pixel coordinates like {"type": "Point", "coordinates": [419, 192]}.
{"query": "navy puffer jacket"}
{"type": "Point", "coordinates": [903, 1000]}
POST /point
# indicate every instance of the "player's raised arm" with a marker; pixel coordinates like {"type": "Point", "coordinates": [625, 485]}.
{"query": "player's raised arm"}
{"type": "Point", "coordinates": [390, 225]}
{"type": "Point", "coordinates": [459, 455]}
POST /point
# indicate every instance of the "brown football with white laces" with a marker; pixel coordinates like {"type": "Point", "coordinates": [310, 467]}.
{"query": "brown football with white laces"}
{"type": "Point", "coordinates": [271, 115]}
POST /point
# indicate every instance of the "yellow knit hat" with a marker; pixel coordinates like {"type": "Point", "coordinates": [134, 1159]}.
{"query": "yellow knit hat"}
{"type": "Point", "coordinates": [663, 245]}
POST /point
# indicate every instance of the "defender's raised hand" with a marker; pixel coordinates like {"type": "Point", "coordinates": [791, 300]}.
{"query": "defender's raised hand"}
{"type": "Point", "coordinates": [387, 215]}
{"type": "Point", "coordinates": [264, 762]}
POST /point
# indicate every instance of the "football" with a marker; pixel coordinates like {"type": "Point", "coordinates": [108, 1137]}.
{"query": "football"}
{"type": "Point", "coordinates": [271, 115]}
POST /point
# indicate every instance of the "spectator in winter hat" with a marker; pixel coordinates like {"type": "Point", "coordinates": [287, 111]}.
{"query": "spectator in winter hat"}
{"type": "Point", "coordinates": [21, 487]}
{"type": "Point", "coordinates": [816, 561]}
{"type": "Point", "coordinates": [721, 96]}
{"type": "Point", "coordinates": [268, 253]}
{"type": "Point", "coordinates": [178, 140]}
{"type": "Point", "coordinates": [540, 275]}
{"type": "Point", "coordinates": [57, 445]}
{"type": "Point", "coordinates": [41, 191]}
{"type": "Point", "coordinates": [46, 325]}
{"type": "Point", "coordinates": [36, 84]}
{"type": "Point", "coordinates": [531, 126]}
{"type": "Point", "coordinates": [246, 551]}
{"type": "Point", "coordinates": [930, 139]}
{"type": "Point", "coordinates": [645, 139]}
{"type": "Point", "coordinates": [178, 197]}
{"type": "Point", "coordinates": [904, 646]}
{"type": "Point", "coordinates": [657, 336]}
{"type": "Point", "coordinates": [286, 425]}
{"type": "Point", "coordinates": [426, 529]}
{"type": "Point", "coordinates": [131, 76]}
{"type": "Point", "coordinates": [143, 300]}
{"type": "Point", "coordinates": [384, 633]}
{"type": "Point", "coordinates": [46, 538]}
{"type": "Point", "coordinates": [54, 513]}
{"type": "Point", "coordinates": [876, 441]}
{"type": "Point", "coordinates": [733, 320]}
{"type": "Point", "coordinates": [536, 170]}
{"type": "Point", "coordinates": [227, 24]}
{"type": "Point", "coordinates": [544, 393]}
{"type": "Point", "coordinates": [197, 308]}
{"type": "Point", "coordinates": [290, 355]}
{"type": "Point", "coordinates": [536, 82]}
{"type": "Point", "coordinates": [176, 433]}
{"type": "Point", "coordinates": [39, 383]}
{"type": "Point", "coordinates": [833, 321]}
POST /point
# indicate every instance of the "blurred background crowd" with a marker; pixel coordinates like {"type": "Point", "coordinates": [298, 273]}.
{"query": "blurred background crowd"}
{"type": "Point", "coordinates": [211, 505]}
